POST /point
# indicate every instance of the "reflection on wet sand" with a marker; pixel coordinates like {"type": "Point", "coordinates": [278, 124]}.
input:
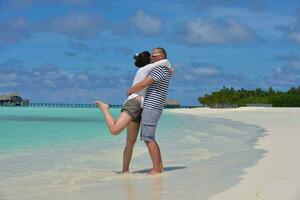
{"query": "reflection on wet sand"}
{"type": "Point", "coordinates": [155, 192]}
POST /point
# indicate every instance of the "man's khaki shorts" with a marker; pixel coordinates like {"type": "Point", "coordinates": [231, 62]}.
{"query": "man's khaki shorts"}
{"type": "Point", "coordinates": [133, 108]}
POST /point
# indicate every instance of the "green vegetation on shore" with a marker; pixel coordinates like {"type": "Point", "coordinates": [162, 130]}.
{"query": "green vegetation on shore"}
{"type": "Point", "coordinates": [242, 97]}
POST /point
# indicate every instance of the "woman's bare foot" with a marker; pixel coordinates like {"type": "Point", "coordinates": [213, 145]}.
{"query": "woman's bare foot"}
{"type": "Point", "coordinates": [101, 105]}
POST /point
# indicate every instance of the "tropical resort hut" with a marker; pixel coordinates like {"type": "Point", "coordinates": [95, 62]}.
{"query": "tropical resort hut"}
{"type": "Point", "coordinates": [13, 99]}
{"type": "Point", "coordinates": [172, 103]}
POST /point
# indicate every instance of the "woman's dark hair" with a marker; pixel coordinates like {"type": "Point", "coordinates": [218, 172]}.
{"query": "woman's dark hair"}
{"type": "Point", "coordinates": [142, 59]}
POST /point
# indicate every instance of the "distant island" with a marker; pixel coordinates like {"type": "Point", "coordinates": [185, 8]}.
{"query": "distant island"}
{"type": "Point", "coordinates": [229, 97]}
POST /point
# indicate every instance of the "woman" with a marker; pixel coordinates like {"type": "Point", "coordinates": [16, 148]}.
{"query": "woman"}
{"type": "Point", "coordinates": [131, 110]}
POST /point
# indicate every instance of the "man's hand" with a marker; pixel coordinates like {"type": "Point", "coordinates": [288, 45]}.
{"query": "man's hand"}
{"type": "Point", "coordinates": [171, 70]}
{"type": "Point", "coordinates": [140, 85]}
{"type": "Point", "coordinates": [129, 91]}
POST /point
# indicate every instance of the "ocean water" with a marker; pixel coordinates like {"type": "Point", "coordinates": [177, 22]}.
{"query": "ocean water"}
{"type": "Point", "coordinates": [68, 153]}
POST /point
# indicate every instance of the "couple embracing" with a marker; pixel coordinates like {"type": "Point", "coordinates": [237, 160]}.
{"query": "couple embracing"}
{"type": "Point", "coordinates": [143, 107]}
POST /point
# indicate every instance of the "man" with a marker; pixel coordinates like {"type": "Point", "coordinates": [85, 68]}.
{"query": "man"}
{"type": "Point", "coordinates": [158, 82]}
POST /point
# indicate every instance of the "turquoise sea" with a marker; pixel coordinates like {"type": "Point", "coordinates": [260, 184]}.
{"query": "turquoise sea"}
{"type": "Point", "coordinates": [63, 153]}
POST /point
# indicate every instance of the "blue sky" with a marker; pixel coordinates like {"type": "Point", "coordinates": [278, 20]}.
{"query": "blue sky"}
{"type": "Point", "coordinates": [75, 51]}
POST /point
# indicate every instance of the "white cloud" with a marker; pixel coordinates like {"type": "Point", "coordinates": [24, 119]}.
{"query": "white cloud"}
{"type": "Point", "coordinates": [51, 81]}
{"type": "Point", "coordinates": [291, 32]}
{"type": "Point", "coordinates": [147, 24]}
{"type": "Point", "coordinates": [79, 25]}
{"type": "Point", "coordinates": [205, 71]}
{"type": "Point", "coordinates": [14, 30]}
{"type": "Point", "coordinates": [8, 80]}
{"type": "Point", "coordinates": [290, 56]}
{"type": "Point", "coordinates": [21, 4]}
{"type": "Point", "coordinates": [18, 4]}
{"type": "Point", "coordinates": [295, 65]}
{"type": "Point", "coordinates": [208, 32]}
{"type": "Point", "coordinates": [76, 25]}
{"type": "Point", "coordinates": [294, 36]}
{"type": "Point", "coordinates": [196, 75]}
{"type": "Point", "coordinates": [286, 75]}
{"type": "Point", "coordinates": [205, 4]}
{"type": "Point", "coordinates": [82, 77]}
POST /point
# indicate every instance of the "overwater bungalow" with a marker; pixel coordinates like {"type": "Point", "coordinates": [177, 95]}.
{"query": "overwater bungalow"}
{"type": "Point", "coordinates": [13, 99]}
{"type": "Point", "coordinates": [172, 103]}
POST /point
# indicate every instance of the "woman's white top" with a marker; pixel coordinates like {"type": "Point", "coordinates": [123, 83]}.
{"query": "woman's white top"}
{"type": "Point", "coordinates": [142, 73]}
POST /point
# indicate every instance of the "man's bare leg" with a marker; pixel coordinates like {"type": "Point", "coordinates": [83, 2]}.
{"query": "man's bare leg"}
{"type": "Point", "coordinates": [132, 132]}
{"type": "Point", "coordinates": [114, 126]}
{"type": "Point", "coordinates": [161, 166]}
{"type": "Point", "coordinates": [155, 157]}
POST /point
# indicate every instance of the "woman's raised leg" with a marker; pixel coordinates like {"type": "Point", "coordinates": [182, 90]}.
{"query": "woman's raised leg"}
{"type": "Point", "coordinates": [115, 126]}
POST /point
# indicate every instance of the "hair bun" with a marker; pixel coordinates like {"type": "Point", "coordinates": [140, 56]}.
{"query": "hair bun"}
{"type": "Point", "coordinates": [136, 55]}
{"type": "Point", "coordinates": [142, 59]}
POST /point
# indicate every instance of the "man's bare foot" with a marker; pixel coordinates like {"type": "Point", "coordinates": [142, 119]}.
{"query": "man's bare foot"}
{"type": "Point", "coordinates": [125, 172]}
{"type": "Point", "coordinates": [101, 105]}
{"type": "Point", "coordinates": [161, 167]}
{"type": "Point", "coordinates": [154, 171]}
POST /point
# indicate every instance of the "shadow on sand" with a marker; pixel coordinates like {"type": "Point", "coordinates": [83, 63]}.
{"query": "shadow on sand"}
{"type": "Point", "coordinates": [166, 169]}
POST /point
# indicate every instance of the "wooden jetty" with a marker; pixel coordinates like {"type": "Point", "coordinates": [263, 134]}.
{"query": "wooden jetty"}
{"type": "Point", "coordinates": [68, 105]}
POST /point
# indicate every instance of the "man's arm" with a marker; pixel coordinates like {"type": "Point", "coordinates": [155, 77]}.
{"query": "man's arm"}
{"type": "Point", "coordinates": [140, 85]}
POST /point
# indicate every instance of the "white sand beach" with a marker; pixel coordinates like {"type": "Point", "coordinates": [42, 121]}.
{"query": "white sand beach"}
{"type": "Point", "coordinates": [277, 175]}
